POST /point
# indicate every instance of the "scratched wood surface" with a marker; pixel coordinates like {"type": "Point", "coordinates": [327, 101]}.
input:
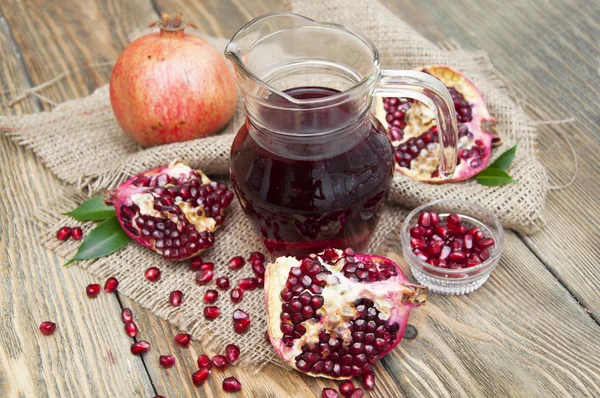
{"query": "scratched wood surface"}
{"type": "Point", "coordinates": [527, 333]}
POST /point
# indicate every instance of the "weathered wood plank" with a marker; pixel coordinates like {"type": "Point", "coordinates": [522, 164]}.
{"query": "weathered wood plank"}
{"type": "Point", "coordinates": [548, 52]}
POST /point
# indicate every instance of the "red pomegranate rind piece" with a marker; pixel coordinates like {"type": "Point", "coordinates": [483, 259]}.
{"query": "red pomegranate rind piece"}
{"type": "Point", "coordinates": [412, 128]}
{"type": "Point", "coordinates": [172, 210]}
{"type": "Point", "coordinates": [334, 316]}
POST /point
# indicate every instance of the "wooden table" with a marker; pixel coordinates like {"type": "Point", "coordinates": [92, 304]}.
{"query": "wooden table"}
{"type": "Point", "coordinates": [533, 331]}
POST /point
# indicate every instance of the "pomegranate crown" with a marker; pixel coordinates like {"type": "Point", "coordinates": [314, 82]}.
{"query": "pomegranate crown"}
{"type": "Point", "coordinates": [171, 24]}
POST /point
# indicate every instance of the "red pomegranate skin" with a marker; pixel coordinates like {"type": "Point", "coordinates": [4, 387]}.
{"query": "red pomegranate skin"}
{"type": "Point", "coordinates": [171, 86]}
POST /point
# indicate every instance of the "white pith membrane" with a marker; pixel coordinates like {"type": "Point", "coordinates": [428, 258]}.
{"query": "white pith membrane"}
{"type": "Point", "coordinates": [187, 229]}
{"type": "Point", "coordinates": [387, 303]}
{"type": "Point", "coordinates": [474, 142]}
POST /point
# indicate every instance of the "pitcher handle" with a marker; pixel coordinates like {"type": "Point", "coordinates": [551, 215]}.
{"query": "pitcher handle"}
{"type": "Point", "coordinates": [429, 90]}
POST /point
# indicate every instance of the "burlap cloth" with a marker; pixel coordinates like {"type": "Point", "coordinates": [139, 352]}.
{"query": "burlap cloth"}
{"type": "Point", "coordinates": [82, 144]}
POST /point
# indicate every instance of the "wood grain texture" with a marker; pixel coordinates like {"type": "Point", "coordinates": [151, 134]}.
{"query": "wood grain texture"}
{"type": "Point", "coordinates": [522, 335]}
{"type": "Point", "coordinates": [548, 53]}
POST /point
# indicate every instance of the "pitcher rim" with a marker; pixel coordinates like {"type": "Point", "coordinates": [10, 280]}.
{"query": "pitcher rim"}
{"type": "Point", "coordinates": [357, 89]}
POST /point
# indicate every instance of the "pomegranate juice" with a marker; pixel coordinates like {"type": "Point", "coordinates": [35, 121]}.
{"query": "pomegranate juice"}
{"type": "Point", "coordinates": [304, 206]}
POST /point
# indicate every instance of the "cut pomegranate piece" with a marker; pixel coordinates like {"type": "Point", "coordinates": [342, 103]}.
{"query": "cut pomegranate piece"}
{"type": "Point", "coordinates": [175, 298]}
{"type": "Point", "coordinates": [111, 285]}
{"type": "Point", "coordinates": [126, 315]}
{"type": "Point", "coordinates": [204, 361]}
{"type": "Point", "coordinates": [231, 384]}
{"type": "Point", "coordinates": [166, 361]}
{"type": "Point", "coordinates": [236, 295]}
{"type": "Point", "coordinates": [47, 328]}
{"type": "Point", "coordinates": [211, 312]}
{"type": "Point", "coordinates": [76, 233]}
{"type": "Point", "coordinates": [63, 233]}
{"type": "Point", "coordinates": [199, 377]}
{"type": "Point", "coordinates": [93, 290]}
{"type": "Point", "coordinates": [336, 315]}
{"type": "Point", "coordinates": [412, 128]}
{"type": "Point", "coordinates": [232, 352]}
{"type": "Point", "coordinates": [211, 296]}
{"type": "Point", "coordinates": [152, 274]}
{"type": "Point", "coordinates": [236, 262]}
{"type": "Point", "coordinates": [329, 393]}
{"type": "Point", "coordinates": [223, 283]}
{"type": "Point", "coordinates": [172, 210]}
{"type": "Point", "coordinates": [220, 362]}
{"type": "Point", "coordinates": [131, 329]}
{"type": "Point", "coordinates": [183, 339]}
{"type": "Point", "coordinates": [140, 347]}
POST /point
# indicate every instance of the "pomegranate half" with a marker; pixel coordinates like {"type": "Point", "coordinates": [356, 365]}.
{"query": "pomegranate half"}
{"type": "Point", "coordinates": [412, 128]}
{"type": "Point", "coordinates": [172, 210]}
{"type": "Point", "coordinates": [336, 313]}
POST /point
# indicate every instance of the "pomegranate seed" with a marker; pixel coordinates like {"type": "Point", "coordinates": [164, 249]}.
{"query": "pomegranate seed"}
{"type": "Point", "coordinates": [329, 393]}
{"type": "Point", "coordinates": [131, 329]}
{"type": "Point", "coordinates": [231, 384]}
{"type": "Point", "coordinates": [232, 352]}
{"type": "Point", "coordinates": [434, 218]}
{"type": "Point", "coordinates": [175, 298]}
{"type": "Point", "coordinates": [166, 361]}
{"type": "Point", "coordinates": [196, 263]}
{"type": "Point", "coordinates": [152, 274]}
{"type": "Point", "coordinates": [260, 280]}
{"type": "Point", "coordinates": [248, 283]}
{"type": "Point", "coordinates": [223, 283]}
{"type": "Point", "coordinates": [220, 362]}
{"type": "Point", "coordinates": [47, 328]}
{"type": "Point", "coordinates": [199, 377]}
{"type": "Point", "coordinates": [258, 268]}
{"type": "Point", "coordinates": [140, 347]}
{"type": "Point", "coordinates": [183, 339]}
{"type": "Point", "coordinates": [126, 315]}
{"type": "Point", "coordinates": [93, 290]}
{"type": "Point", "coordinates": [241, 326]}
{"type": "Point", "coordinates": [356, 393]}
{"type": "Point", "coordinates": [211, 296]}
{"type": "Point", "coordinates": [453, 219]}
{"type": "Point", "coordinates": [484, 255]}
{"type": "Point", "coordinates": [236, 295]}
{"type": "Point", "coordinates": [204, 277]}
{"type": "Point", "coordinates": [63, 233]}
{"type": "Point", "coordinates": [76, 233]}
{"type": "Point", "coordinates": [207, 267]}
{"type": "Point", "coordinates": [256, 256]}
{"type": "Point", "coordinates": [458, 257]}
{"type": "Point", "coordinates": [485, 243]}
{"type": "Point", "coordinates": [424, 219]}
{"type": "Point", "coordinates": [241, 321]}
{"type": "Point", "coordinates": [236, 262]}
{"type": "Point", "coordinates": [111, 285]}
{"type": "Point", "coordinates": [368, 380]}
{"type": "Point", "coordinates": [418, 243]}
{"type": "Point", "coordinates": [417, 231]}
{"type": "Point", "coordinates": [346, 387]}
{"type": "Point", "coordinates": [204, 361]}
{"type": "Point", "coordinates": [211, 312]}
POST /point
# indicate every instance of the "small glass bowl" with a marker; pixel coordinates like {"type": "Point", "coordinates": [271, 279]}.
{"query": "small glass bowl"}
{"type": "Point", "coordinates": [446, 280]}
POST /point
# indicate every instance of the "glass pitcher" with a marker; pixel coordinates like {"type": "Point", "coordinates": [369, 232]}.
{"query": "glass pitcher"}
{"type": "Point", "coordinates": [312, 166]}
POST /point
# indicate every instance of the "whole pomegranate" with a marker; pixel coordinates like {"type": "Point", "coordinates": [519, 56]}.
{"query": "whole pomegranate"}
{"type": "Point", "coordinates": [412, 128]}
{"type": "Point", "coordinates": [172, 210]}
{"type": "Point", "coordinates": [336, 313]}
{"type": "Point", "coordinates": [169, 86]}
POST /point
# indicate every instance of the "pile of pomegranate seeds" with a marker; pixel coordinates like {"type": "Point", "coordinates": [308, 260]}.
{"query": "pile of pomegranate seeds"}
{"type": "Point", "coordinates": [231, 384]}
{"type": "Point", "coordinates": [450, 243]}
{"type": "Point", "coordinates": [167, 361]}
{"type": "Point", "coordinates": [111, 285]}
{"type": "Point", "coordinates": [152, 274]}
{"type": "Point", "coordinates": [93, 290]}
{"type": "Point", "coordinates": [47, 328]}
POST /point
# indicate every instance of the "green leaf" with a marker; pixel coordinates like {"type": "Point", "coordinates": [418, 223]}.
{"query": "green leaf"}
{"type": "Point", "coordinates": [494, 177]}
{"type": "Point", "coordinates": [92, 210]}
{"type": "Point", "coordinates": [106, 238]}
{"type": "Point", "coordinates": [505, 160]}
